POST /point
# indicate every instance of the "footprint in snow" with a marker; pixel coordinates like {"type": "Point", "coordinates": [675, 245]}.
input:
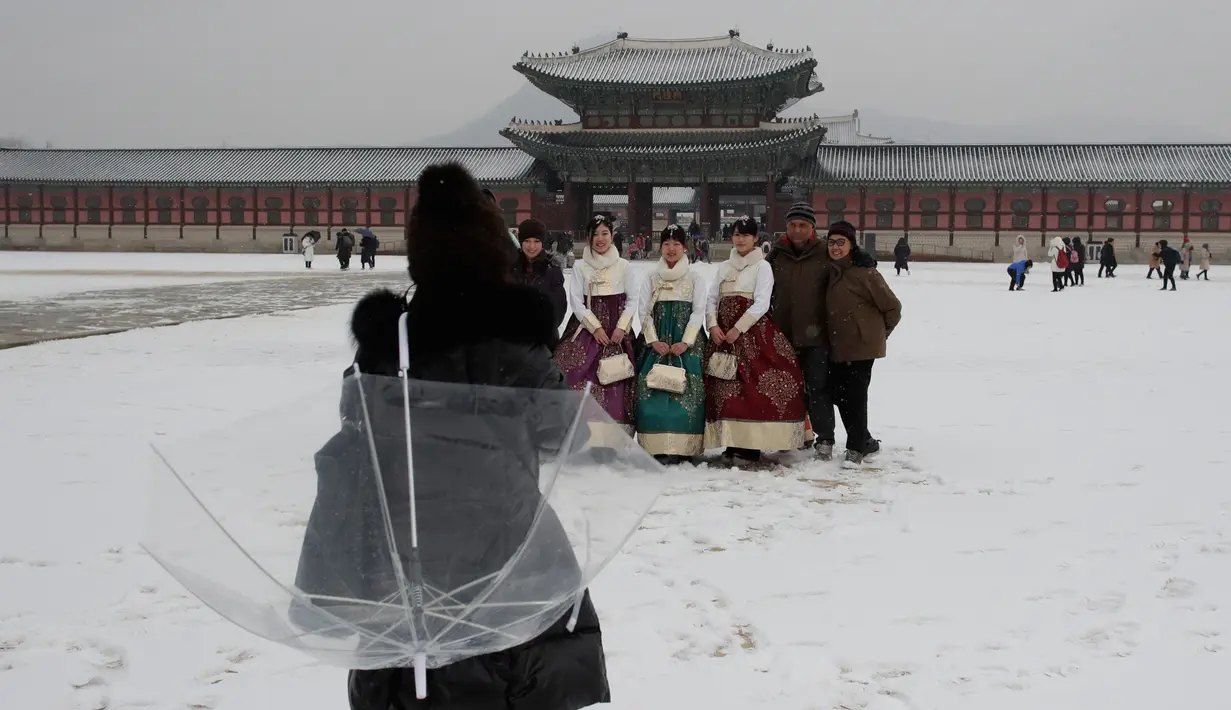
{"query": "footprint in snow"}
{"type": "Point", "coordinates": [1177, 588]}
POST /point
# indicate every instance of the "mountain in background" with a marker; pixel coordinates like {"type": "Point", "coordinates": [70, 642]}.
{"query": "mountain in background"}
{"type": "Point", "coordinates": [530, 103]}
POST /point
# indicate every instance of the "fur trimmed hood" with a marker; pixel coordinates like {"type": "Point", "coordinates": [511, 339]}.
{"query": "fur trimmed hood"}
{"type": "Point", "coordinates": [443, 321]}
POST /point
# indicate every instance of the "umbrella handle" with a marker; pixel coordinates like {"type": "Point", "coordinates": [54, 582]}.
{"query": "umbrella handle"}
{"type": "Point", "coordinates": [572, 618]}
{"type": "Point", "coordinates": [420, 675]}
{"type": "Point", "coordinates": [403, 344]}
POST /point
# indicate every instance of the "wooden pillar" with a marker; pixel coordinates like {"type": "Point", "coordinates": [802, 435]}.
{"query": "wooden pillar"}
{"type": "Point", "coordinates": [703, 208]}
{"type": "Point", "coordinates": [329, 212]}
{"type": "Point", "coordinates": [183, 212]}
{"type": "Point", "coordinates": [217, 213]}
{"type": "Point", "coordinates": [996, 213]}
{"type": "Point", "coordinates": [110, 208]}
{"type": "Point", "coordinates": [1043, 218]}
{"type": "Point", "coordinates": [406, 212]}
{"type": "Point", "coordinates": [771, 198]}
{"type": "Point", "coordinates": [952, 212]}
{"type": "Point", "coordinates": [863, 206]}
{"type": "Point", "coordinates": [634, 212]}
{"type": "Point", "coordinates": [40, 213]}
{"type": "Point", "coordinates": [906, 210]}
{"type": "Point", "coordinates": [367, 194]}
{"type": "Point", "coordinates": [145, 206]}
{"type": "Point", "coordinates": [8, 206]}
{"type": "Point", "coordinates": [1137, 219]}
{"type": "Point", "coordinates": [76, 199]}
{"type": "Point", "coordinates": [1185, 213]}
{"type": "Point", "coordinates": [1090, 215]}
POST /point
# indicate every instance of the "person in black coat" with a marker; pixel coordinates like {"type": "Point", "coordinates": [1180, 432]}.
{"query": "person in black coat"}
{"type": "Point", "coordinates": [346, 244]}
{"type": "Point", "coordinates": [535, 267]}
{"type": "Point", "coordinates": [1107, 259]}
{"type": "Point", "coordinates": [1171, 259]}
{"type": "Point", "coordinates": [469, 324]}
{"type": "Point", "coordinates": [901, 256]}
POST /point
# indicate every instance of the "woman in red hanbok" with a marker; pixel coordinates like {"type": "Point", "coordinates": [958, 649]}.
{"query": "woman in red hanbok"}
{"type": "Point", "coordinates": [762, 408]}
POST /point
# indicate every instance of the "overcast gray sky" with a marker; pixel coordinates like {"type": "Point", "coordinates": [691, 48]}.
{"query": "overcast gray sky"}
{"type": "Point", "coordinates": [162, 73]}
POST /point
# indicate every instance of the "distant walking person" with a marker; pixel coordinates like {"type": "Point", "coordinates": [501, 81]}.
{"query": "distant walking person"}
{"type": "Point", "coordinates": [1059, 259]}
{"type": "Point", "coordinates": [1170, 258]}
{"type": "Point", "coordinates": [368, 244]}
{"type": "Point", "coordinates": [1068, 254]}
{"type": "Point", "coordinates": [1107, 259]}
{"type": "Point", "coordinates": [901, 257]}
{"type": "Point", "coordinates": [1186, 258]}
{"type": "Point", "coordinates": [308, 246]}
{"type": "Point", "coordinates": [1077, 261]}
{"type": "Point", "coordinates": [1204, 255]}
{"type": "Point", "coordinates": [1154, 262]}
{"type": "Point", "coordinates": [1020, 251]}
{"type": "Point", "coordinates": [346, 244]}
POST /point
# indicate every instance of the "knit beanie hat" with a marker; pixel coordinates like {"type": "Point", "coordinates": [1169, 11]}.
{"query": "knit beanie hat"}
{"type": "Point", "coordinates": [801, 210]}
{"type": "Point", "coordinates": [674, 232]}
{"type": "Point", "coordinates": [842, 228]}
{"type": "Point", "coordinates": [531, 229]}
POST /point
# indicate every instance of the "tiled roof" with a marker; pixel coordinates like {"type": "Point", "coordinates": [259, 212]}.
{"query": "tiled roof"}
{"type": "Point", "coordinates": [652, 62]}
{"type": "Point", "coordinates": [1080, 164]}
{"type": "Point", "coordinates": [249, 166]}
{"type": "Point", "coordinates": [660, 141]}
{"type": "Point", "coordinates": [662, 196]}
{"type": "Point", "coordinates": [844, 130]}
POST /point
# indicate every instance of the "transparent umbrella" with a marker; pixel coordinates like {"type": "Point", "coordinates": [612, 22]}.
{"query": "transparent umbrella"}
{"type": "Point", "coordinates": [439, 521]}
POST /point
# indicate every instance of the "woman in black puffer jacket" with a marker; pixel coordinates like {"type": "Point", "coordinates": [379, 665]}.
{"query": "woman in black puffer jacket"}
{"type": "Point", "coordinates": [469, 324]}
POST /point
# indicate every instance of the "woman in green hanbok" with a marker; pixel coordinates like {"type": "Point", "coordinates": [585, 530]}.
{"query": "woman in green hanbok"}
{"type": "Point", "coordinates": [672, 305]}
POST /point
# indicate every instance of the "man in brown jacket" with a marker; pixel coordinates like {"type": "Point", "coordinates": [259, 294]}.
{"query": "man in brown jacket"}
{"type": "Point", "coordinates": [802, 270]}
{"type": "Point", "coordinates": [862, 312]}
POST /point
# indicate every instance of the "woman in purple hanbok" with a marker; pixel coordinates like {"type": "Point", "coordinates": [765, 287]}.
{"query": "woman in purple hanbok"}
{"type": "Point", "coordinates": [603, 298]}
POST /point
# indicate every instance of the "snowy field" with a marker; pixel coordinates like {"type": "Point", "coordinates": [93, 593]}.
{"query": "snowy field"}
{"type": "Point", "coordinates": [38, 274]}
{"type": "Point", "coordinates": [1049, 528]}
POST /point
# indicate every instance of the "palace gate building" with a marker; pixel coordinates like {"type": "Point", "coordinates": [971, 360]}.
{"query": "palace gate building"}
{"type": "Point", "coordinates": [669, 130]}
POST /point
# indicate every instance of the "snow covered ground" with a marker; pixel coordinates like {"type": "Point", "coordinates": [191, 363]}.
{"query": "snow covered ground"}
{"type": "Point", "coordinates": [1050, 527]}
{"type": "Point", "coordinates": [37, 274]}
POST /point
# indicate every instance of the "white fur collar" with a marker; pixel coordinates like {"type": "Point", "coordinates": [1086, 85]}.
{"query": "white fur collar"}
{"type": "Point", "coordinates": [739, 263]}
{"type": "Point", "coordinates": [598, 262]}
{"type": "Point", "coordinates": [668, 274]}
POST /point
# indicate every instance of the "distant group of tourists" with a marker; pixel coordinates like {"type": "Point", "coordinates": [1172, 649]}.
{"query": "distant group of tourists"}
{"type": "Point", "coordinates": [1066, 257]}
{"type": "Point", "coordinates": [1164, 259]}
{"type": "Point", "coordinates": [368, 244]}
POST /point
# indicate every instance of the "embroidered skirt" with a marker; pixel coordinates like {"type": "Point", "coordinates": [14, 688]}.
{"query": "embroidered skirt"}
{"type": "Point", "coordinates": [763, 407]}
{"type": "Point", "coordinates": [672, 424]}
{"type": "Point", "coordinates": [578, 358]}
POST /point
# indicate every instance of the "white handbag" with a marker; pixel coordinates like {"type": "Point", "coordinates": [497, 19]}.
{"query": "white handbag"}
{"type": "Point", "coordinates": [723, 365]}
{"type": "Point", "coordinates": [667, 378]}
{"type": "Point", "coordinates": [615, 368]}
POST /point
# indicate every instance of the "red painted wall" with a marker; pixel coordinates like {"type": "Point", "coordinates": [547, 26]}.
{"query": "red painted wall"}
{"type": "Point", "coordinates": [388, 207]}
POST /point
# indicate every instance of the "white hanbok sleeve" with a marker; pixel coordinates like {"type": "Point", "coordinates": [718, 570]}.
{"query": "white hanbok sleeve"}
{"type": "Point", "coordinates": [630, 300]}
{"type": "Point", "coordinates": [711, 300]}
{"type": "Point", "coordinates": [577, 301]}
{"type": "Point", "coordinates": [646, 309]}
{"type": "Point", "coordinates": [700, 306]}
{"type": "Point", "coordinates": [761, 295]}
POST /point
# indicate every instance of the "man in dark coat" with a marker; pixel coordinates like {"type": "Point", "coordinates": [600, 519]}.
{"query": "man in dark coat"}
{"type": "Point", "coordinates": [535, 267]}
{"type": "Point", "coordinates": [346, 244]}
{"type": "Point", "coordinates": [901, 257]}
{"type": "Point", "coordinates": [1107, 259]}
{"type": "Point", "coordinates": [1171, 259]}
{"type": "Point", "coordinates": [467, 324]}
{"type": "Point", "coordinates": [802, 270]}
